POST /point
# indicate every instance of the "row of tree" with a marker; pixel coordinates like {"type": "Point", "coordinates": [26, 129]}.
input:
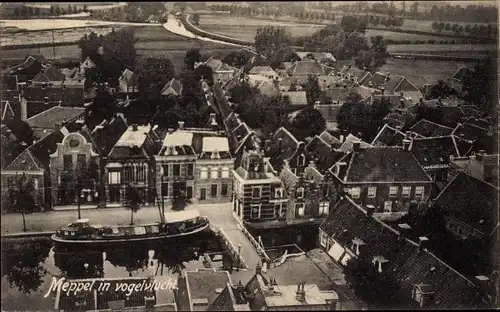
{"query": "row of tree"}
{"type": "Point", "coordinates": [481, 30]}
{"type": "Point", "coordinates": [133, 12]}
{"type": "Point", "coordinates": [54, 10]}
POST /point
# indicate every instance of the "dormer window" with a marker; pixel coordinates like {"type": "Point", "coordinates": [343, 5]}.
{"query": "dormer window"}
{"type": "Point", "coordinates": [301, 160]}
{"type": "Point", "coordinates": [422, 293]}
{"type": "Point", "coordinates": [357, 245]}
{"type": "Point", "coordinates": [300, 192]}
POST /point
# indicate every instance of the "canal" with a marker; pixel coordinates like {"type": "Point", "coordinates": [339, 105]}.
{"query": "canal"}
{"type": "Point", "coordinates": [304, 236]}
{"type": "Point", "coordinates": [29, 265]}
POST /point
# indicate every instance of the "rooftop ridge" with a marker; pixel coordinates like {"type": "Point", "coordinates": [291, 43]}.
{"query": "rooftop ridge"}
{"type": "Point", "coordinates": [431, 122]}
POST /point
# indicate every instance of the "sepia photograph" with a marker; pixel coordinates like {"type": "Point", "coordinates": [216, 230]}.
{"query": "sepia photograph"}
{"type": "Point", "coordinates": [249, 156]}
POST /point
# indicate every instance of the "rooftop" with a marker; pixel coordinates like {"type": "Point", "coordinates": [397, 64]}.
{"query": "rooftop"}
{"type": "Point", "coordinates": [301, 68]}
{"type": "Point", "coordinates": [202, 284]}
{"type": "Point", "coordinates": [133, 136]}
{"type": "Point", "coordinates": [437, 151]}
{"type": "Point", "coordinates": [389, 136]}
{"type": "Point", "coordinates": [55, 115]}
{"type": "Point", "coordinates": [428, 128]}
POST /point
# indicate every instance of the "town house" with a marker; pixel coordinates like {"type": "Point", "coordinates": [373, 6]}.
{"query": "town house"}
{"type": "Point", "coordinates": [131, 162]}
{"type": "Point", "coordinates": [480, 165]}
{"type": "Point", "coordinates": [74, 170]}
{"type": "Point", "coordinates": [258, 194]}
{"type": "Point", "coordinates": [197, 162]}
{"type": "Point", "coordinates": [388, 179]}
{"type": "Point", "coordinates": [421, 280]}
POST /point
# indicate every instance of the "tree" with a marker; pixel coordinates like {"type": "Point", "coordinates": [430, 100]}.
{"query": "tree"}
{"type": "Point", "coordinates": [447, 26]}
{"type": "Point", "coordinates": [179, 200]}
{"type": "Point", "coordinates": [313, 90]}
{"type": "Point", "coordinates": [134, 199]}
{"type": "Point", "coordinates": [21, 197]}
{"type": "Point", "coordinates": [37, 11]}
{"type": "Point", "coordinates": [291, 57]}
{"type": "Point", "coordinates": [205, 72]}
{"type": "Point", "coordinates": [241, 92]}
{"type": "Point", "coordinates": [308, 123]}
{"type": "Point", "coordinates": [153, 73]}
{"type": "Point", "coordinates": [196, 19]}
{"type": "Point", "coordinates": [270, 40]}
{"type": "Point", "coordinates": [85, 8]}
{"type": "Point", "coordinates": [236, 58]}
{"type": "Point", "coordinates": [58, 10]}
{"type": "Point", "coordinates": [479, 86]}
{"type": "Point", "coordinates": [351, 24]}
{"type": "Point", "coordinates": [440, 90]}
{"type": "Point", "coordinates": [379, 49]}
{"type": "Point", "coordinates": [192, 56]}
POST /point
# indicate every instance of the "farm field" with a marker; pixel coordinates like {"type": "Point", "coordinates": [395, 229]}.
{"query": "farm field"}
{"type": "Point", "coordinates": [90, 5]}
{"type": "Point", "coordinates": [245, 28]}
{"type": "Point", "coordinates": [444, 49]}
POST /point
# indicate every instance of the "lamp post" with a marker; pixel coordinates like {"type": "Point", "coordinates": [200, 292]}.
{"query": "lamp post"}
{"type": "Point", "coordinates": [79, 191]}
{"type": "Point", "coordinates": [86, 266]}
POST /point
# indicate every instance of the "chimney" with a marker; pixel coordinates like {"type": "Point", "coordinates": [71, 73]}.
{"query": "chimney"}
{"type": "Point", "coordinates": [134, 127]}
{"type": "Point", "coordinates": [404, 228]}
{"type": "Point", "coordinates": [341, 138]}
{"type": "Point", "coordinates": [480, 155]}
{"type": "Point", "coordinates": [356, 146]}
{"type": "Point", "coordinates": [422, 242]}
{"type": "Point", "coordinates": [364, 68]}
{"type": "Point", "coordinates": [170, 130]}
{"type": "Point", "coordinates": [383, 90]}
{"type": "Point", "coordinates": [462, 136]}
{"type": "Point", "coordinates": [312, 164]}
{"type": "Point", "coordinates": [258, 268]}
{"type": "Point", "coordinates": [370, 210]}
{"type": "Point", "coordinates": [267, 144]}
{"type": "Point", "coordinates": [181, 125]}
{"type": "Point", "coordinates": [280, 140]}
{"type": "Point", "coordinates": [406, 145]}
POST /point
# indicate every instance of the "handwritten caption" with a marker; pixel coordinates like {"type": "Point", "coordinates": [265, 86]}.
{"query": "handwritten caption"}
{"type": "Point", "coordinates": [73, 287]}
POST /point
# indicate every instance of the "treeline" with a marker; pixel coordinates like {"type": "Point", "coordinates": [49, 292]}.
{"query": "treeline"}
{"type": "Point", "coordinates": [54, 10]}
{"type": "Point", "coordinates": [481, 30]}
{"type": "Point", "coordinates": [134, 12]}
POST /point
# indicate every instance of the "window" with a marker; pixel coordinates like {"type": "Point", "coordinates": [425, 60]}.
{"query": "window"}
{"type": "Point", "coordinates": [114, 177]}
{"type": "Point", "coordinates": [225, 173]}
{"type": "Point", "coordinates": [67, 162]}
{"type": "Point", "coordinates": [355, 191]}
{"type": "Point", "coordinates": [213, 190]}
{"type": "Point", "coordinates": [301, 160]}
{"type": "Point", "coordinates": [214, 173]}
{"type": "Point", "coordinates": [323, 239]}
{"type": "Point", "coordinates": [204, 173]}
{"type": "Point", "coordinates": [165, 170]}
{"type": "Point", "coordinates": [406, 191]}
{"type": "Point", "coordinates": [324, 208]}
{"type": "Point", "coordinates": [164, 189]}
{"type": "Point", "coordinates": [35, 182]}
{"type": "Point", "coordinates": [225, 190]}
{"type": "Point", "coordinates": [372, 192]}
{"type": "Point", "coordinates": [278, 193]}
{"type": "Point", "coordinates": [256, 191]}
{"type": "Point", "coordinates": [326, 190]}
{"type": "Point", "coordinates": [393, 191]}
{"type": "Point", "coordinates": [127, 172]}
{"type": "Point", "coordinates": [300, 208]}
{"type": "Point", "coordinates": [255, 211]}
{"type": "Point", "coordinates": [81, 161]}
{"type": "Point", "coordinates": [300, 192]}
{"type": "Point", "coordinates": [388, 206]}
{"type": "Point", "coordinates": [177, 170]}
{"type": "Point", "coordinates": [190, 170]}
{"type": "Point", "coordinates": [419, 191]}
{"type": "Point", "coordinates": [459, 230]}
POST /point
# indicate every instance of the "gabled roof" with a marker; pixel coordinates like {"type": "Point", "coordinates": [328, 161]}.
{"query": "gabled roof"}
{"type": "Point", "coordinates": [428, 128]}
{"type": "Point", "coordinates": [58, 95]}
{"type": "Point", "coordinates": [129, 77]}
{"type": "Point", "coordinates": [471, 201]}
{"type": "Point", "coordinates": [317, 55]}
{"type": "Point", "coordinates": [7, 110]}
{"type": "Point", "coordinates": [436, 151]}
{"type": "Point", "coordinates": [304, 68]}
{"type": "Point", "coordinates": [337, 94]}
{"type": "Point", "coordinates": [388, 136]}
{"type": "Point", "coordinates": [324, 154]}
{"type": "Point", "coordinates": [239, 133]}
{"type": "Point", "coordinates": [348, 143]}
{"type": "Point", "coordinates": [330, 139]}
{"type": "Point", "coordinates": [46, 146]}
{"type": "Point", "coordinates": [253, 167]}
{"type": "Point", "coordinates": [283, 147]}
{"type": "Point", "coordinates": [29, 63]}
{"type": "Point", "coordinates": [407, 265]}
{"type": "Point", "coordinates": [203, 284]}
{"type": "Point", "coordinates": [377, 80]}
{"type": "Point", "coordinates": [268, 88]}
{"type": "Point", "coordinates": [263, 70]}
{"type": "Point", "coordinates": [382, 164]}
{"type": "Point", "coordinates": [174, 87]}
{"type": "Point", "coordinates": [461, 73]}
{"type": "Point", "coordinates": [88, 63]}
{"type": "Point", "coordinates": [49, 74]}
{"type": "Point", "coordinates": [218, 65]}
{"type": "Point", "coordinates": [105, 135]}
{"type": "Point", "coordinates": [134, 143]}
{"type": "Point", "coordinates": [26, 161]}
{"type": "Point", "coordinates": [469, 132]}
{"type": "Point", "coordinates": [227, 300]}
{"type": "Point", "coordinates": [354, 72]}
{"type": "Point", "coordinates": [55, 115]}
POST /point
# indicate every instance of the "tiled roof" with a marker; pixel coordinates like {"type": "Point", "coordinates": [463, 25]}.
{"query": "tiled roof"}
{"type": "Point", "coordinates": [65, 96]}
{"type": "Point", "coordinates": [471, 111]}
{"type": "Point", "coordinates": [134, 144]}
{"type": "Point", "coordinates": [225, 301]}
{"type": "Point", "coordinates": [428, 128]}
{"type": "Point", "coordinates": [304, 68]}
{"type": "Point", "coordinates": [48, 74]}
{"type": "Point", "coordinates": [407, 265]}
{"type": "Point", "coordinates": [337, 94]}
{"type": "Point", "coordinates": [377, 80]}
{"type": "Point", "coordinates": [268, 88]}
{"type": "Point", "coordinates": [239, 133]}
{"type": "Point", "coordinates": [348, 142]}
{"type": "Point", "coordinates": [253, 167]}
{"type": "Point", "coordinates": [55, 115]}
{"type": "Point", "coordinates": [105, 135]}
{"type": "Point", "coordinates": [326, 155]}
{"type": "Point", "coordinates": [46, 146]}
{"type": "Point", "coordinates": [297, 98]}
{"type": "Point", "coordinates": [481, 123]}
{"type": "Point", "coordinates": [129, 77]}
{"type": "Point", "coordinates": [469, 132]}
{"type": "Point", "coordinates": [176, 86]}
{"type": "Point", "coordinates": [202, 284]}
{"type": "Point", "coordinates": [330, 139]}
{"type": "Point", "coordinates": [29, 63]}
{"type": "Point", "coordinates": [265, 71]}
{"type": "Point", "coordinates": [388, 136]}
{"type": "Point", "coordinates": [435, 151]}
{"type": "Point", "coordinates": [353, 71]}
{"type": "Point", "coordinates": [471, 201]}
{"type": "Point", "coordinates": [289, 145]}
{"type": "Point", "coordinates": [383, 164]}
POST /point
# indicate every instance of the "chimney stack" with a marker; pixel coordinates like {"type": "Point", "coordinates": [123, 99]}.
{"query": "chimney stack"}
{"type": "Point", "coordinates": [370, 210]}
{"type": "Point", "coordinates": [280, 140]}
{"type": "Point", "coordinates": [301, 293]}
{"type": "Point", "coordinates": [406, 145]}
{"type": "Point", "coordinates": [134, 127]}
{"type": "Point", "coordinates": [404, 228]}
{"type": "Point", "coordinates": [480, 154]}
{"type": "Point", "coordinates": [356, 146]}
{"type": "Point", "coordinates": [341, 138]}
{"type": "Point", "coordinates": [170, 130]}
{"type": "Point", "coordinates": [181, 125]}
{"type": "Point", "coordinates": [422, 242]}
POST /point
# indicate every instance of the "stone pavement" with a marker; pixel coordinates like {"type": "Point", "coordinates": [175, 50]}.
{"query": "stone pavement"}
{"type": "Point", "coordinates": [220, 215]}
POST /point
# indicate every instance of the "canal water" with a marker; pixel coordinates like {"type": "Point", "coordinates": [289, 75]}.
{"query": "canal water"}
{"type": "Point", "coordinates": [29, 266]}
{"type": "Point", "coordinates": [304, 236]}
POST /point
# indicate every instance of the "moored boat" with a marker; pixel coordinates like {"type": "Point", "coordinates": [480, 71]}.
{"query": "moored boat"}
{"type": "Point", "coordinates": [177, 224]}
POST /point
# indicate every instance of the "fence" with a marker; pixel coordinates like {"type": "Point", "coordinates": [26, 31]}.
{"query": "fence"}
{"type": "Point", "coordinates": [232, 249]}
